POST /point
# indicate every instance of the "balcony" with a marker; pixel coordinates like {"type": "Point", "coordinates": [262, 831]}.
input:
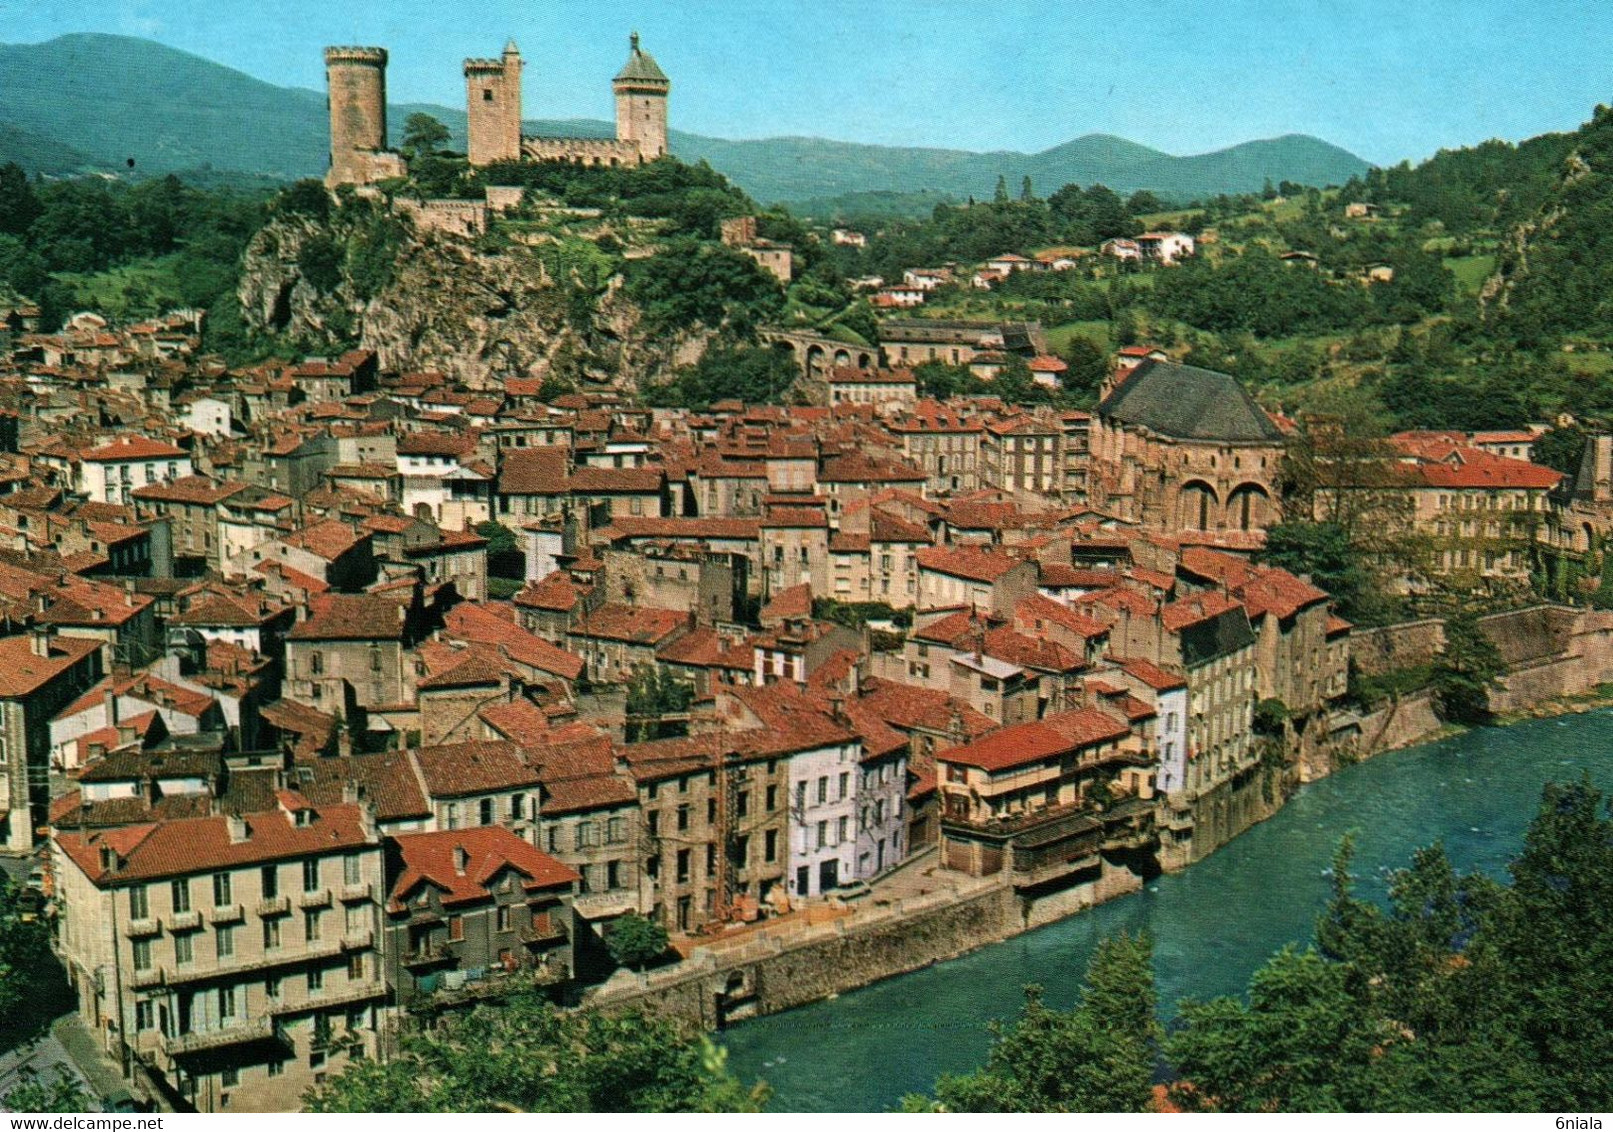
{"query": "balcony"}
{"type": "Point", "coordinates": [332, 997]}
{"type": "Point", "coordinates": [320, 898]}
{"type": "Point", "coordinates": [358, 941]}
{"type": "Point", "coordinates": [546, 930]}
{"type": "Point", "coordinates": [428, 956]}
{"type": "Point", "coordinates": [1129, 824]}
{"type": "Point", "coordinates": [151, 977]}
{"type": "Point", "coordinates": [237, 1033]}
{"type": "Point", "coordinates": [279, 957]}
{"type": "Point", "coordinates": [184, 921]}
{"type": "Point", "coordinates": [139, 929]}
{"type": "Point", "coordinates": [274, 905]}
{"type": "Point", "coordinates": [226, 914]}
{"type": "Point", "coordinates": [355, 893]}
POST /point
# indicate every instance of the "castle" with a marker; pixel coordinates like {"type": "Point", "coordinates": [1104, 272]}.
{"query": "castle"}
{"type": "Point", "coordinates": [356, 77]}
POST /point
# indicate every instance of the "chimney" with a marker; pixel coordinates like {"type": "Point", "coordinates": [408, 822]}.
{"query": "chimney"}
{"type": "Point", "coordinates": [239, 831]}
{"type": "Point", "coordinates": [40, 637]}
{"type": "Point", "coordinates": [461, 859]}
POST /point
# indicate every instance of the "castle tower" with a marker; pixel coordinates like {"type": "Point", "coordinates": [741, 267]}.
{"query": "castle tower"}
{"type": "Point", "coordinates": [356, 77]}
{"type": "Point", "coordinates": [493, 107]}
{"type": "Point", "coordinates": [641, 93]}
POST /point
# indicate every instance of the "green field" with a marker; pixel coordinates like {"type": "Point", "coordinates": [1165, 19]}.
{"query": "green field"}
{"type": "Point", "coordinates": [135, 290]}
{"type": "Point", "coordinates": [1058, 337]}
{"type": "Point", "coordinates": [1471, 271]}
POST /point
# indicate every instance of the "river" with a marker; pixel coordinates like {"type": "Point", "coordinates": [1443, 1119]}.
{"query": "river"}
{"type": "Point", "coordinates": [1212, 924]}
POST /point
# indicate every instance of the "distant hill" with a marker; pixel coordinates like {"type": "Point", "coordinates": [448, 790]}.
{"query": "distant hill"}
{"type": "Point", "coordinates": [105, 99]}
{"type": "Point", "coordinates": [39, 154]}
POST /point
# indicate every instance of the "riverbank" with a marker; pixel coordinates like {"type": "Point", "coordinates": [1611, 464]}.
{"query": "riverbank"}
{"type": "Point", "coordinates": [1212, 924]}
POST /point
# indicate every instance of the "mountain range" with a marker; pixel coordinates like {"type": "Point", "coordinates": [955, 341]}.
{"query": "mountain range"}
{"type": "Point", "coordinates": [99, 102]}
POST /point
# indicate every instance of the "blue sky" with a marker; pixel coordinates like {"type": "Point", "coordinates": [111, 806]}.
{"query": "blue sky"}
{"type": "Point", "coordinates": [1387, 80]}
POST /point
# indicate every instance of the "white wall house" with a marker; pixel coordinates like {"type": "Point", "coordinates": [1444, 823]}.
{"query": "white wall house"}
{"type": "Point", "coordinates": [823, 818]}
{"type": "Point", "coordinates": [111, 472]}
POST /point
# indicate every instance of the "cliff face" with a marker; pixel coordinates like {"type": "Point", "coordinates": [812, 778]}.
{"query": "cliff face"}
{"type": "Point", "coordinates": [426, 300]}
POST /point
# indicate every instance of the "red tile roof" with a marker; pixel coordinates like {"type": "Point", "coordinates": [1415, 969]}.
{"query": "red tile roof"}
{"type": "Point", "coordinates": [130, 448]}
{"type": "Point", "coordinates": [1026, 743]}
{"type": "Point", "coordinates": [22, 672]}
{"type": "Point", "coordinates": [465, 864]}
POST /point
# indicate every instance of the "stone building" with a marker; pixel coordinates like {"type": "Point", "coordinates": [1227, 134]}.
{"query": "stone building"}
{"type": "Point", "coordinates": [237, 958]}
{"type": "Point", "coordinates": [468, 902]}
{"type": "Point", "coordinates": [1180, 448]}
{"type": "Point", "coordinates": [40, 673]}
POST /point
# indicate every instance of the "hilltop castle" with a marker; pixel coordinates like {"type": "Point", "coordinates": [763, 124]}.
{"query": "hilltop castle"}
{"type": "Point", "coordinates": [356, 77]}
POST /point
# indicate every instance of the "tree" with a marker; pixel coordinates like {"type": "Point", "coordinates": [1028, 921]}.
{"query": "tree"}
{"type": "Point", "coordinates": [1466, 669]}
{"type": "Point", "coordinates": [504, 556]}
{"type": "Point", "coordinates": [652, 694]}
{"type": "Point", "coordinates": [634, 940]}
{"type": "Point", "coordinates": [64, 1094]}
{"type": "Point", "coordinates": [1560, 449]}
{"type": "Point", "coordinates": [1025, 192]}
{"type": "Point", "coordinates": [1324, 552]}
{"type": "Point", "coordinates": [19, 204]}
{"type": "Point", "coordinates": [526, 1055]}
{"type": "Point", "coordinates": [423, 134]}
{"type": "Point", "coordinates": [1089, 366]}
{"type": "Point", "coordinates": [25, 960]}
{"type": "Point", "coordinates": [1001, 195]}
{"type": "Point", "coordinates": [1098, 1057]}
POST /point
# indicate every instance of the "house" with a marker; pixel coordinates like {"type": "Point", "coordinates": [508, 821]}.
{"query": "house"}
{"type": "Point", "coordinates": [1165, 247]}
{"type": "Point", "coordinates": [40, 673]}
{"type": "Point", "coordinates": [114, 471]}
{"type": "Point", "coordinates": [468, 905]}
{"type": "Point", "coordinates": [236, 957]}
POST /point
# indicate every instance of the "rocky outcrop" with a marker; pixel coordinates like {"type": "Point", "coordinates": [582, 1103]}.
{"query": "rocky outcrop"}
{"type": "Point", "coordinates": [477, 311]}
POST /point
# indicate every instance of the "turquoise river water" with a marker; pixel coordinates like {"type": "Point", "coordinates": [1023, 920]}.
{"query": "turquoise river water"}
{"type": "Point", "coordinates": [1212, 925]}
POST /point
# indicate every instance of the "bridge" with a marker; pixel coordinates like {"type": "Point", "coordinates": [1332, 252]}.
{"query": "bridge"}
{"type": "Point", "coordinates": [818, 354]}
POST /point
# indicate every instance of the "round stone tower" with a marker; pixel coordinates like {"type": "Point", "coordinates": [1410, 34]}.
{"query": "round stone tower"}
{"type": "Point", "coordinates": [641, 101]}
{"type": "Point", "coordinates": [493, 107]}
{"type": "Point", "coordinates": [356, 77]}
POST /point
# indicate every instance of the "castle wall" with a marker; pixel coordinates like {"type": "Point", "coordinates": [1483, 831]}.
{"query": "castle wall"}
{"type": "Point", "coordinates": [580, 151]}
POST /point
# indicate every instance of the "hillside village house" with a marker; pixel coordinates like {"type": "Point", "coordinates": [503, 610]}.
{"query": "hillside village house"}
{"type": "Point", "coordinates": [40, 672]}
{"type": "Point", "coordinates": [114, 471]}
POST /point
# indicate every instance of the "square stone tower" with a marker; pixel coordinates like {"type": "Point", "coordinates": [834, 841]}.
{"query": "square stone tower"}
{"type": "Point", "coordinates": [641, 103]}
{"type": "Point", "coordinates": [493, 107]}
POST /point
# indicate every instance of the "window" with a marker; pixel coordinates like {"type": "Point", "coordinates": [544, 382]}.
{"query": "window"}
{"type": "Point", "coordinates": [221, 889]}
{"type": "Point", "coordinates": [742, 803]}
{"type": "Point", "coordinates": [840, 830]}
{"type": "Point", "coordinates": [139, 904]}
{"type": "Point", "coordinates": [554, 838]}
{"type": "Point", "coordinates": [613, 874]}
{"type": "Point", "coordinates": [180, 890]}
{"type": "Point", "coordinates": [226, 1003]}
{"type": "Point", "coordinates": [683, 866]}
{"type": "Point", "coordinates": [142, 955]}
{"type": "Point", "coordinates": [316, 663]}
{"type": "Point", "coordinates": [271, 988]}
{"type": "Point", "coordinates": [683, 818]}
{"type": "Point", "coordinates": [355, 971]}
{"type": "Point", "coordinates": [316, 981]}
{"type": "Point", "coordinates": [375, 658]}
{"type": "Point", "coordinates": [487, 811]}
{"type": "Point", "coordinates": [615, 831]}
{"type": "Point", "coordinates": [277, 1067]}
{"type": "Point", "coordinates": [770, 845]}
{"type": "Point", "coordinates": [144, 1015]}
{"type": "Point", "coordinates": [311, 924]}
{"type": "Point", "coordinates": [653, 820]}
{"type": "Point", "coordinates": [845, 785]}
{"type": "Point", "coordinates": [711, 810]}
{"type": "Point", "coordinates": [453, 815]}
{"type": "Point", "coordinates": [350, 870]}
{"type": "Point", "coordinates": [271, 934]}
{"type": "Point", "coordinates": [711, 859]}
{"type": "Point", "coordinates": [823, 788]}
{"type": "Point", "coordinates": [310, 875]}
{"type": "Point", "coordinates": [184, 949]}
{"type": "Point", "coordinates": [456, 927]}
{"type": "Point", "coordinates": [271, 882]}
{"type": "Point", "coordinates": [800, 796]}
{"type": "Point", "coordinates": [772, 798]}
{"type": "Point", "coordinates": [823, 834]}
{"type": "Point", "coordinates": [226, 940]}
{"type": "Point", "coordinates": [503, 917]}
{"type": "Point", "coordinates": [517, 807]}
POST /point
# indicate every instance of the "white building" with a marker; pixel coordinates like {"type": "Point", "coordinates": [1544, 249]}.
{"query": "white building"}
{"type": "Point", "coordinates": [111, 472]}
{"type": "Point", "coordinates": [209, 416]}
{"type": "Point", "coordinates": [823, 818]}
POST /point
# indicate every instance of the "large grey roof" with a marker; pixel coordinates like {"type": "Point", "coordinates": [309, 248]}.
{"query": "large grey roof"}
{"type": "Point", "coordinates": [641, 66]}
{"type": "Point", "coordinates": [1188, 403]}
